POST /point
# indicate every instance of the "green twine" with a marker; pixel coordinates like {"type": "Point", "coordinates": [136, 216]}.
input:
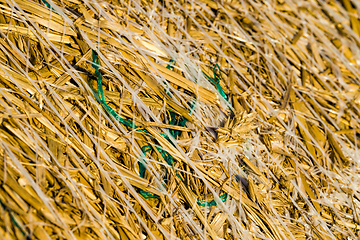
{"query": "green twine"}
{"type": "Point", "coordinates": [14, 221]}
{"type": "Point", "coordinates": [175, 133]}
{"type": "Point", "coordinates": [142, 166]}
{"type": "Point", "coordinates": [102, 99]}
{"type": "Point", "coordinates": [48, 5]}
{"type": "Point", "coordinates": [170, 63]}
{"type": "Point", "coordinates": [213, 203]}
{"type": "Point", "coordinates": [216, 81]}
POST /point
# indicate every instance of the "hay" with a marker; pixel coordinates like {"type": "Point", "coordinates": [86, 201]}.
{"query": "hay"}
{"type": "Point", "coordinates": [179, 119]}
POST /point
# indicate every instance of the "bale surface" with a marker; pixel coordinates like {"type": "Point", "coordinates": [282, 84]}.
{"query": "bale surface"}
{"type": "Point", "coordinates": [180, 119]}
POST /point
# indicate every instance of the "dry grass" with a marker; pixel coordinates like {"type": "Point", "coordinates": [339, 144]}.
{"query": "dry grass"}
{"type": "Point", "coordinates": [180, 119]}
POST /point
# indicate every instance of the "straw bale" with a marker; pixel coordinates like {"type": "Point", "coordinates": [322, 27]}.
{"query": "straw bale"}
{"type": "Point", "coordinates": [190, 119]}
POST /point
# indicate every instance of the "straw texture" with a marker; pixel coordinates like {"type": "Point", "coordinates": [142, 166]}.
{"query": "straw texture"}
{"type": "Point", "coordinates": [180, 119]}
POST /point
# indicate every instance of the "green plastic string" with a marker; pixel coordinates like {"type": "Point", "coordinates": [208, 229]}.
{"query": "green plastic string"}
{"type": "Point", "coordinates": [216, 81]}
{"type": "Point", "coordinates": [14, 221]}
{"type": "Point", "coordinates": [182, 121]}
{"type": "Point", "coordinates": [48, 5]}
{"type": "Point", "coordinates": [145, 149]}
{"type": "Point", "coordinates": [170, 63]}
{"type": "Point", "coordinates": [142, 168]}
{"type": "Point", "coordinates": [101, 98]}
{"type": "Point", "coordinates": [101, 95]}
{"type": "Point", "coordinates": [213, 203]}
